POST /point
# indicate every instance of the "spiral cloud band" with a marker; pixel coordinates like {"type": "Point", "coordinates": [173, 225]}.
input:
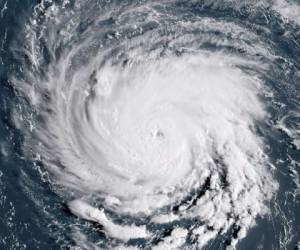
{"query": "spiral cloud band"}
{"type": "Point", "coordinates": [146, 119]}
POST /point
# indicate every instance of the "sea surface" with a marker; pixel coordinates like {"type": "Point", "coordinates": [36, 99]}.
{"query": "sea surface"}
{"type": "Point", "coordinates": [136, 124]}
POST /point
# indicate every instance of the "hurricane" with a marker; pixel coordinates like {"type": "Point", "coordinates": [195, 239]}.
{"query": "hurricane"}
{"type": "Point", "coordinates": [150, 124]}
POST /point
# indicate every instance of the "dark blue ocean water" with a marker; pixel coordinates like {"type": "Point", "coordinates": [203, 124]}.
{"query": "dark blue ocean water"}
{"type": "Point", "coordinates": [34, 216]}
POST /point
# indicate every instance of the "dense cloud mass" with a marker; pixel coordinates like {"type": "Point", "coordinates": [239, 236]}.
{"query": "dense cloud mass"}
{"type": "Point", "coordinates": [147, 116]}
